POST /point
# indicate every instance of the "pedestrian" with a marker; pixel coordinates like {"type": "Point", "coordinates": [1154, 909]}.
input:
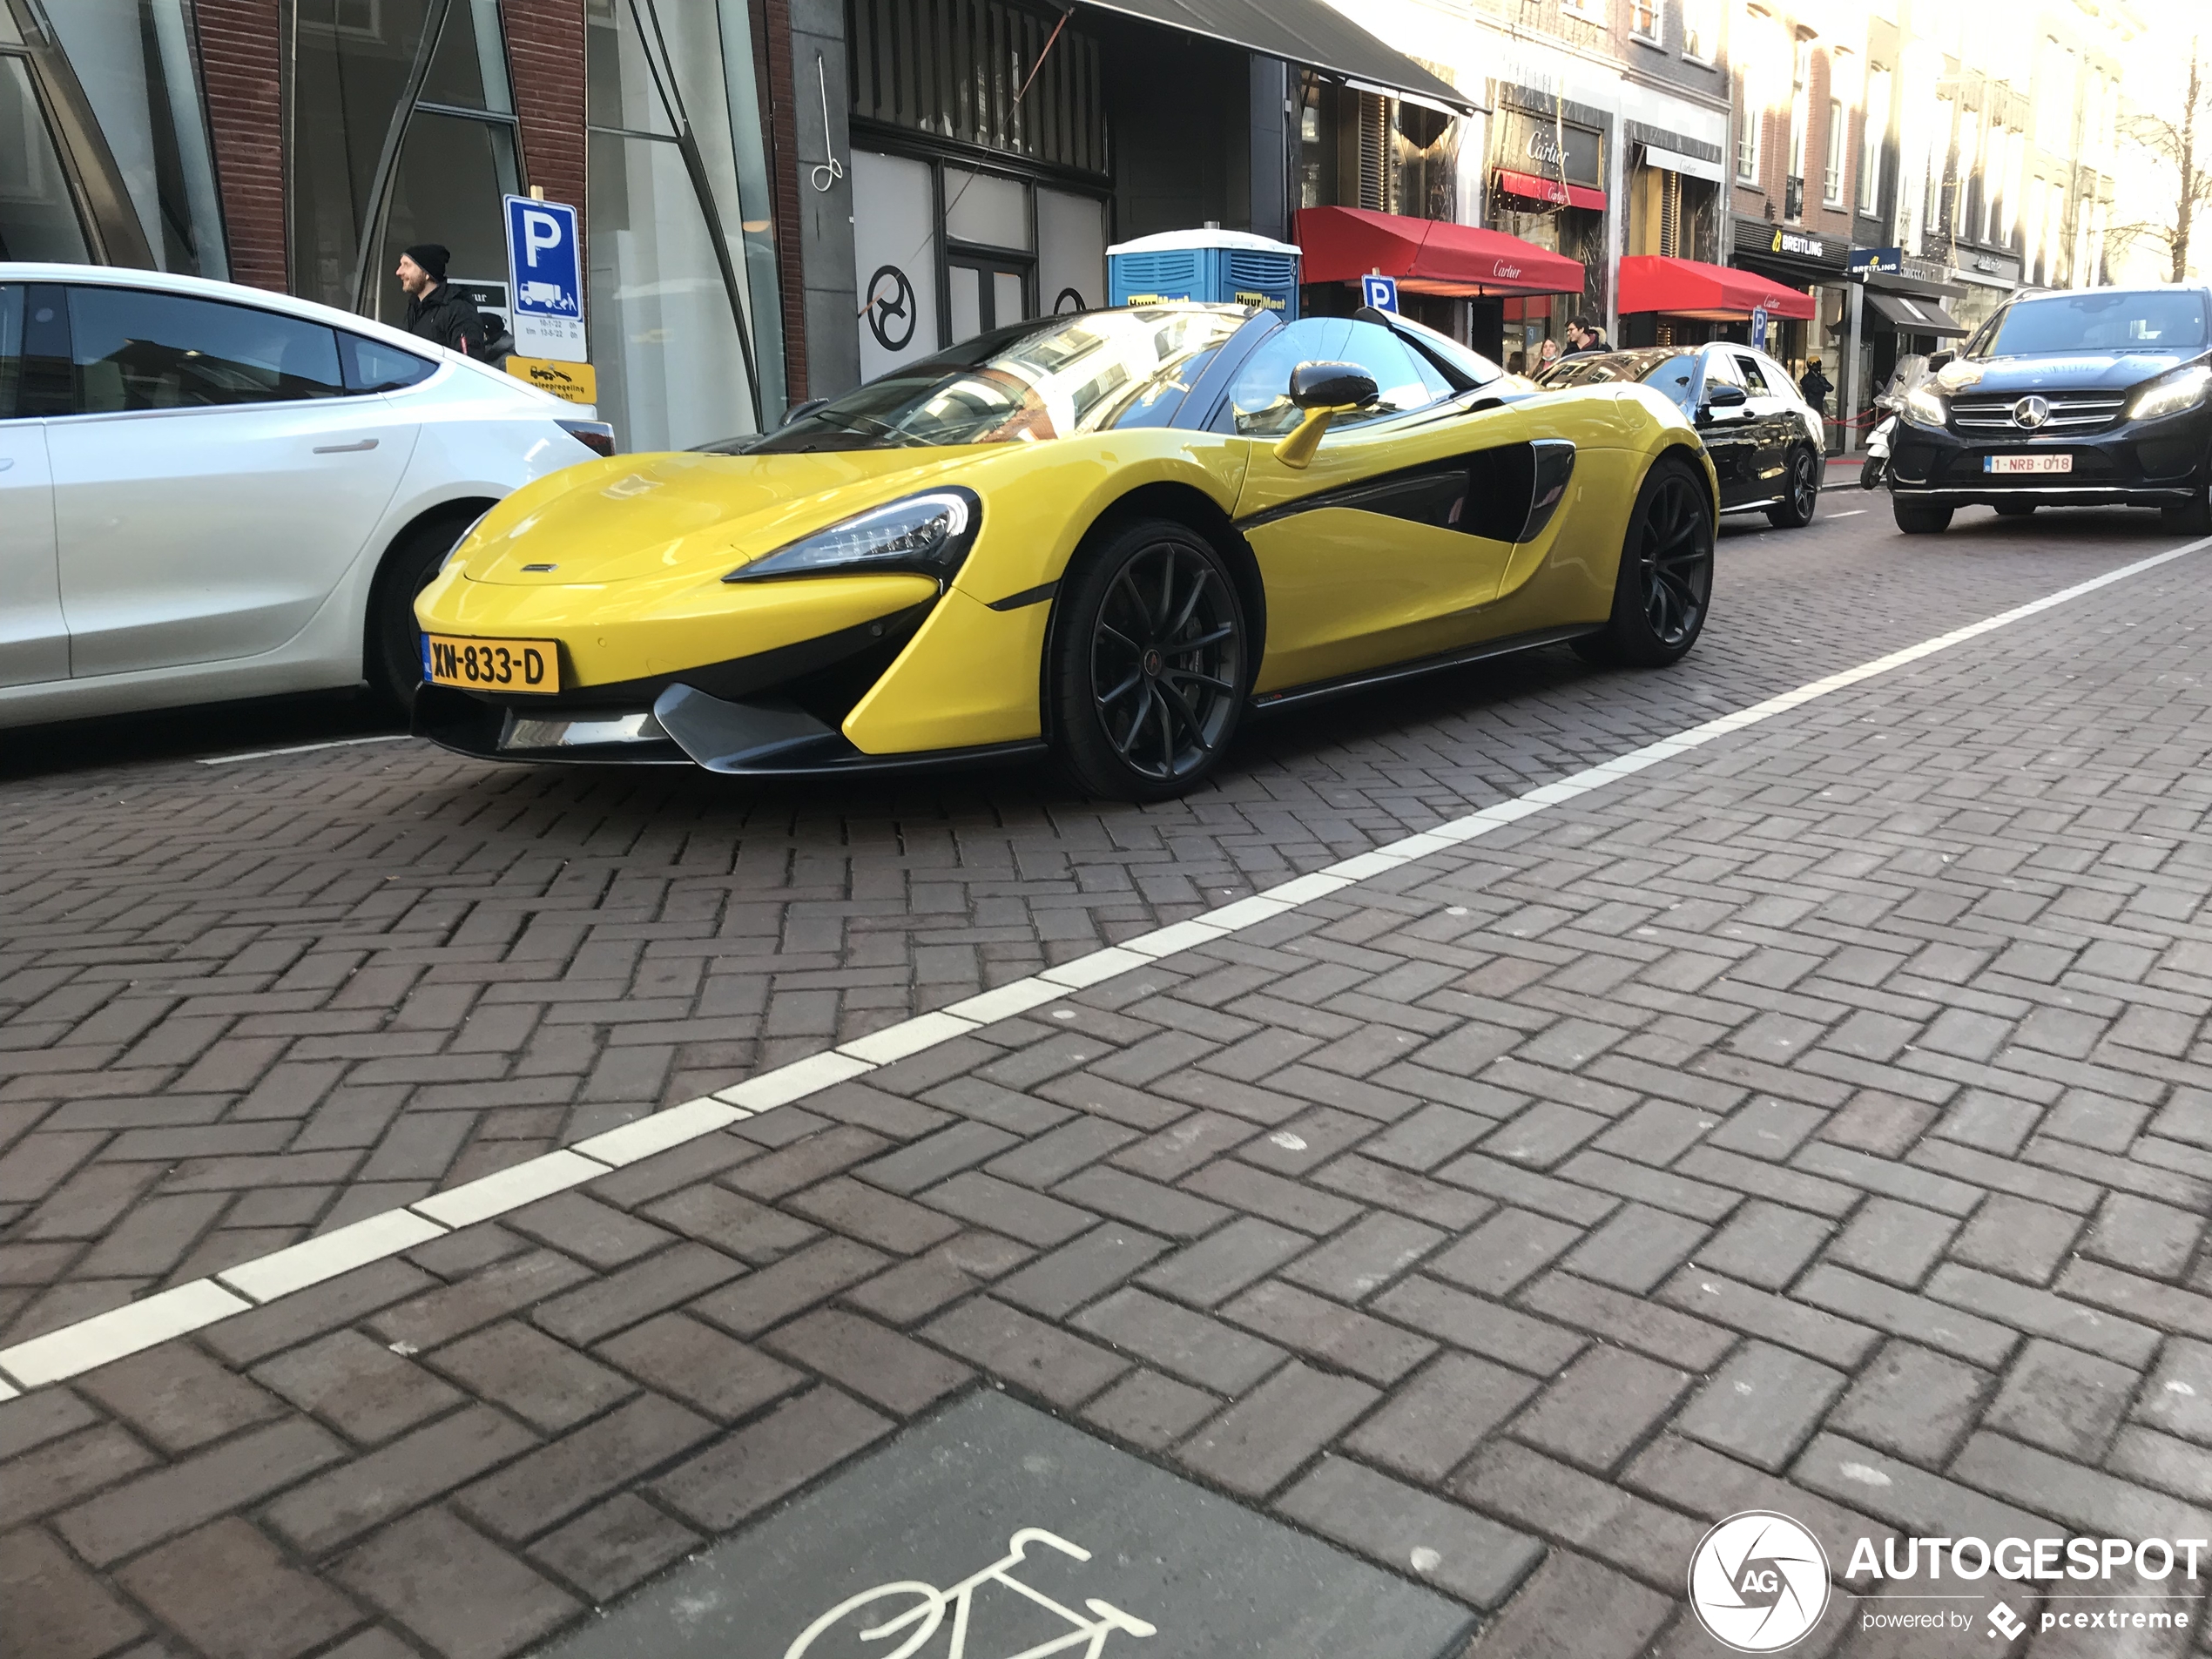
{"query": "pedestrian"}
{"type": "Point", "coordinates": [1586, 338]}
{"type": "Point", "coordinates": [1547, 354]}
{"type": "Point", "coordinates": [1517, 363]}
{"type": "Point", "coordinates": [436, 309]}
{"type": "Point", "coordinates": [1816, 387]}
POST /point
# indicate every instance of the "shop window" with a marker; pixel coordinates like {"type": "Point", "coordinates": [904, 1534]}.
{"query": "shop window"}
{"type": "Point", "coordinates": [681, 237]}
{"type": "Point", "coordinates": [135, 62]}
{"type": "Point", "coordinates": [403, 131]}
{"type": "Point", "coordinates": [37, 217]}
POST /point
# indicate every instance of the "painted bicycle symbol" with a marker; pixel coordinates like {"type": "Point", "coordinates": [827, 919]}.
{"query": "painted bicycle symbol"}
{"type": "Point", "coordinates": [921, 1620]}
{"type": "Point", "coordinates": [887, 307]}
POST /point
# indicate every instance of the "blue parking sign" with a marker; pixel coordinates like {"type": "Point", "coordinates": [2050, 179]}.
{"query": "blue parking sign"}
{"type": "Point", "coordinates": [1380, 291]}
{"type": "Point", "coordinates": [545, 279]}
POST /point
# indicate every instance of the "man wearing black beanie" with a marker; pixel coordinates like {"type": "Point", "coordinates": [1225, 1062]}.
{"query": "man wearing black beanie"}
{"type": "Point", "coordinates": [436, 309]}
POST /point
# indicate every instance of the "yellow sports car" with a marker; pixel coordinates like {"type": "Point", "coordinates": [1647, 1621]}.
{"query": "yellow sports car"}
{"type": "Point", "coordinates": [1105, 535]}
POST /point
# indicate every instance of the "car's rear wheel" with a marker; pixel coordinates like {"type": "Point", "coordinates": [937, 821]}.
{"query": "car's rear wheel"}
{"type": "Point", "coordinates": [1916, 519]}
{"type": "Point", "coordinates": [1795, 509]}
{"type": "Point", "coordinates": [2015, 509]}
{"type": "Point", "coordinates": [1150, 659]}
{"type": "Point", "coordinates": [395, 654]}
{"type": "Point", "coordinates": [1665, 584]}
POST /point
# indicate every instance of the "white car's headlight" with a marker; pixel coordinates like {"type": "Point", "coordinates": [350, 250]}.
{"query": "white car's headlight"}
{"type": "Point", "coordinates": [2171, 394]}
{"type": "Point", "coordinates": [929, 534]}
{"type": "Point", "coordinates": [1924, 406]}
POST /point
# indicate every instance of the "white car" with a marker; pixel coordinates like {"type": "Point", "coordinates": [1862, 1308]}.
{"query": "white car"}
{"type": "Point", "coordinates": [207, 491]}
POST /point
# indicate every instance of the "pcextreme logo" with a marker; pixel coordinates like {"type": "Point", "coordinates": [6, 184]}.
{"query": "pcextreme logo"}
{"type": "Point", "coordinates": [1759, 1581]}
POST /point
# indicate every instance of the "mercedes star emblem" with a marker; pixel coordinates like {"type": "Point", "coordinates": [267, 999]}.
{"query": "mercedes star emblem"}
{"type": "Point", "coordinates": [2031, 412]}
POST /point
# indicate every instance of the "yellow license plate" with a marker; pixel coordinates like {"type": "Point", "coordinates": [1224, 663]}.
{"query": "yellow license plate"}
{"type": "Point", "coordinates": [491, 664]}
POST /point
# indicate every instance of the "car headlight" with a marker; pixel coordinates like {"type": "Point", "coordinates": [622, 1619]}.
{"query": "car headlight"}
{"type": "Point", "coordinates": [1925, 406]}
{"type": "Point", "coordinates": [2171, 394]}
{"type": "Point", "coordinates": [927, 534]}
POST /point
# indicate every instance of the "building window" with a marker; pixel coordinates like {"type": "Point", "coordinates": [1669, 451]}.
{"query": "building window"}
{"type": "Point", "coordinates": [1800, 117]}
{"type": "Point", "coordinates": [136, 64]}
{"type": "Point", "coordinates": [1832, 181]}
{"type": "Point", "coordinates": [681, 244]}
{"type": "Point", "coordinates": [1643, 19]}
{"type": "Point", "coordinates": [372, 173]}
{"type": "Point", "coordinates": [1700, 30]}
{"type": "Point", "coordinates": [1876, 128]}
{"type": "Point", "coordinates": [1584, 9]}
{"type": "Point", "coordinates": [38, 218]}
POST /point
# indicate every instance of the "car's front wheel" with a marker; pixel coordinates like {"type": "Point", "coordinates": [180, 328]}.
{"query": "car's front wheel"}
{"type": "Point", "coordinates": [1665, 584]}
{"type": "Point", "coordinates": [1915, 519]}
{"type": "Point", "coordinates": [394, 653]}
{"type": "Point", "coordinates": [1151, 658]}
{"type": "Point", "coordinates": [1801, 499]}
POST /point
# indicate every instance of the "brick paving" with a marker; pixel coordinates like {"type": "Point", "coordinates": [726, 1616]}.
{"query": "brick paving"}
{"type": "Point", "coordinates": [1822, 1122]}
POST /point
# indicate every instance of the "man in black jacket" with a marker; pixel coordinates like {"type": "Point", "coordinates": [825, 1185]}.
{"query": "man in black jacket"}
{"type": "Point", "coordinates": [436, 309]}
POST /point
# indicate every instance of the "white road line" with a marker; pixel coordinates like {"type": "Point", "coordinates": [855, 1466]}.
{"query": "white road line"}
{"type": "Point", "coordinates": [302, 748]}
{"type": "Point", "coordinates": [1854, 513]}
{"type": "Point", "coordinates": [79, 1347]}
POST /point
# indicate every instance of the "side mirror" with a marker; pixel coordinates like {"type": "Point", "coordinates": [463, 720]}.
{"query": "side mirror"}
{"type": "Point", "coordinates": [1333, 386]}
{"type": "Point", "coordinates": [1937, 359]}
{"type": "Point", "coordinates": [1726, 397]}
{"type": "Point", "coordinates": [1323, 390]}
{"type": "Point", "coordinates": [800, 411]}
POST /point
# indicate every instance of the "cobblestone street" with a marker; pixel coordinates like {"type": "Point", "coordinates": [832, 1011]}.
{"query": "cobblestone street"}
{"type": "Point", "coordinates": [1818, 1121]}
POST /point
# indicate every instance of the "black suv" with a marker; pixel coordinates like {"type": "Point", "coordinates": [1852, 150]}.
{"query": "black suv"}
{"type": "Point", "coordinates": [2100, 397]}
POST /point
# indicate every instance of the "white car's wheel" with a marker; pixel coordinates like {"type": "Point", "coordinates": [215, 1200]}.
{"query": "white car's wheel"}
{"type": "Point", "coordinates": [394, 646]}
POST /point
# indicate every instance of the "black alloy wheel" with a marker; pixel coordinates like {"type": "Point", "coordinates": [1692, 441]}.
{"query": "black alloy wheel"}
{"type": "Point", "coordinates": [1149, 662]}
{"type": "Point", "coordinates": [1665, 584]}
{"type": "Point", "coordinates": [1795, 509]}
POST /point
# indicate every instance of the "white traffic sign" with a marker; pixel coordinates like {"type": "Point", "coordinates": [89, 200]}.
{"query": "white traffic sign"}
{"type": "Point", "coordinates": [1380, 291]}
{"type": "Point", "coordinates": [545, 276]}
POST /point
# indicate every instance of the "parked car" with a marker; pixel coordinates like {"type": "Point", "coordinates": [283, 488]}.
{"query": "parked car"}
{"type": "Point", "coordinates": [1103, 536]}
{"type": "Point", "coordinates": [2093, 398]}
{"type": "Point", "coordinates": [1765, 439]}
{"type": "Point", "coordinates": [207, 491]}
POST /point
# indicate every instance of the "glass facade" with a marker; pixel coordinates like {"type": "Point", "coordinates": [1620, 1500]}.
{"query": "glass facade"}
{"type": "Point", "coordinates": [403, 130]}
{"type": "Point", "coordinates": [104, 149]}
{"type": "Point", "coordinates": [135, 62]}
{"type": "Point", "coordinates": [686, 326]}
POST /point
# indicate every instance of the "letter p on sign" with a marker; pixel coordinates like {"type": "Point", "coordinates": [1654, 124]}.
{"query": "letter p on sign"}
{"type": "Point", "coordinates": [541, 233]}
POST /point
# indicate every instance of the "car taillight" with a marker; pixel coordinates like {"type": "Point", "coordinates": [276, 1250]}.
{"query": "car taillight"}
{"type": "Point", "coordinates": [595, 435]}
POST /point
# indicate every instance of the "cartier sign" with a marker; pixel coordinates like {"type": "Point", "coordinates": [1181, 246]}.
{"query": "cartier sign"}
{"type": "Point", "coordinates": [1533, 138]}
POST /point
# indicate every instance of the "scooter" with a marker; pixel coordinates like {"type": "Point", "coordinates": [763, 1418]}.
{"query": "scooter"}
{"type": "Point", "coordinates": [1871, 476]}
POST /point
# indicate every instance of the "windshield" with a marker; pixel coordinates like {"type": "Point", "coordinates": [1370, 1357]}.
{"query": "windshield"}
{"type": "Point", "coordinates": [1667, 371]}
{"type": "Point", "coordinates": [1091, 372]}
{"type": "Point", "coordinates": [2100, 321]}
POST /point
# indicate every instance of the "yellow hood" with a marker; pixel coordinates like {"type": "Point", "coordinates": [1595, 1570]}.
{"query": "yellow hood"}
{"type": "Point", "coordinates": [638, 516]}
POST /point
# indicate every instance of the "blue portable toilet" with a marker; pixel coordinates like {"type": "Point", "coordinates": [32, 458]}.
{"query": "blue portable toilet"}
{"type": "Point", "coordinates": [1219, 266]}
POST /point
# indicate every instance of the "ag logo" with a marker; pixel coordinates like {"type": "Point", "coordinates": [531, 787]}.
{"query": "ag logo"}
{"type": "Point", "coordinates": [891, 311]}
{"type": "Point", "coordinates": [1759, 1581]}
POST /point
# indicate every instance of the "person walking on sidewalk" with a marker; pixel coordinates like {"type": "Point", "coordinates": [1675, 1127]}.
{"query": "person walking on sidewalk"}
{"type": "Point", "coordinates": [436, 309]}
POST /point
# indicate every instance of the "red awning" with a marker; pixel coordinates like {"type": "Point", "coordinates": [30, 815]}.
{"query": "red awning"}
{"type": "Point", "coordinates": [1715, 292]}
{"type": "Point", "coordinates": [1426, 255]}
{"type": "Point", "coordinates": [1537, 189]}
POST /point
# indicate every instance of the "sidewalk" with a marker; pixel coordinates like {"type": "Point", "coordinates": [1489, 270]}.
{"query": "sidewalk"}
{"type": "Point", "coordinates": [1815, 1121]}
